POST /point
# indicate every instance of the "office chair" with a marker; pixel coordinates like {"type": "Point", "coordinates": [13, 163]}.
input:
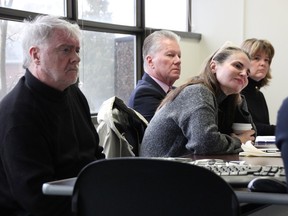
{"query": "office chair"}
{"type": "Point", "coordinates": [120, 128]}
{"type": "Point", "coordinates": [137, 186]}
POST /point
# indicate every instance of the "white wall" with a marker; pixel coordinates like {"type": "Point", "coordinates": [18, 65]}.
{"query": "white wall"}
{"type": "Point", "coordinates": [235, 20]}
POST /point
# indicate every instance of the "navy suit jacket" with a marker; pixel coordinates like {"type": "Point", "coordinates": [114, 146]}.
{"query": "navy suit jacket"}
{"type": "Point", "coordinates": [146, 97]}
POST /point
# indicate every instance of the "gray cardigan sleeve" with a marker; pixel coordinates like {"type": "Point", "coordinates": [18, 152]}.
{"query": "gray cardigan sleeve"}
{"type": "Point", "coordinates": [199, 122]}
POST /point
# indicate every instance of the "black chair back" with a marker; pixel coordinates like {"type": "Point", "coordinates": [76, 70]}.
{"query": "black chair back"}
{"type": "Point", "coordinates": [146, 186]}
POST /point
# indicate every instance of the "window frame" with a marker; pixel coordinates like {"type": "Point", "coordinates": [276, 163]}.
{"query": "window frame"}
{"type": "Point", "coordinates": [138, 30]}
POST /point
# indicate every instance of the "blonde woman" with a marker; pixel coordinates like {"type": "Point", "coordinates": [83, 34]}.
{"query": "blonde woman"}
{"type": "Point", "coordinates": [262, 53]}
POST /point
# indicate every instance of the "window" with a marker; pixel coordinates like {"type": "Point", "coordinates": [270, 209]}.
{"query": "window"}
{"type": "Point", "coordinates": [113, 33]}
{"type": "Point", "coordinates": [111, 11]}
{"type": "Point", "coordinates": [107, 67]}
{"type": "Point", "coordinates": [11, 60]}
{"type": "Point", "coordinates": [54, 7]}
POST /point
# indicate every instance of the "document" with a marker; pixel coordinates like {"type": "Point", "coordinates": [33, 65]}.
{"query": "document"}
{"type": "Point", "coordinates": [250, 150]}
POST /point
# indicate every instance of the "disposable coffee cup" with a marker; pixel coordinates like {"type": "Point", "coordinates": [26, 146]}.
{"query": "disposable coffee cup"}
{"type": "Point", "coordinates": [239, 128]}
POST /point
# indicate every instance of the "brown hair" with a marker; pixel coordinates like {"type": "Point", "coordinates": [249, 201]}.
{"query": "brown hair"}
{"type": "Point", "coordinates": [206, 77]}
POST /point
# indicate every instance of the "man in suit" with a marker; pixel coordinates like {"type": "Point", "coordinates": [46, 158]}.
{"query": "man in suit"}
{"type": "Point", "coordinates": [162, 66]}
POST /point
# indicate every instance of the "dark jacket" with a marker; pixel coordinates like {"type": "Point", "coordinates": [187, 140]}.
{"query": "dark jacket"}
{"type": "Point", "coordinates": [146, 97]}
{"type": "Point", "coordinates": [282, 133]}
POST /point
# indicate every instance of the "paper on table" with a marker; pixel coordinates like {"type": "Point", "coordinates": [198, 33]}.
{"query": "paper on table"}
{"type": "Point", "coordinates": [250, 150]}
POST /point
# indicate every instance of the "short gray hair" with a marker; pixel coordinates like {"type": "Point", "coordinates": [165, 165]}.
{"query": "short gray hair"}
{"type": "Point", "coordinates": [152, 43]}
{"type": "Point", "coordinates": [38, 31]}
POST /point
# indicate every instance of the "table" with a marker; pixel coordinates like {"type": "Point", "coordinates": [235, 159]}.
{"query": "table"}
{"type": "Point", "coordinates": [65, 187]}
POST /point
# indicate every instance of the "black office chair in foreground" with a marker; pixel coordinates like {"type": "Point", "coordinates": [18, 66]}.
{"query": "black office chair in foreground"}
{"type": "Point", "coordinates": [146, 186]}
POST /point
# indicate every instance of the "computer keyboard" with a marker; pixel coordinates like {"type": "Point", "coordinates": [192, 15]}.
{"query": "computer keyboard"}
{"type": "Point", "coordinates": [238, 173]}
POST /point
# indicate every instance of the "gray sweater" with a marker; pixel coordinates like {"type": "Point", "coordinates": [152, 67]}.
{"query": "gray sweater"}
{"type": "Point", "coordinates": [188, 124]}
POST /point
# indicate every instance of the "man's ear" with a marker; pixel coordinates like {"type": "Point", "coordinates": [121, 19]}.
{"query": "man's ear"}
{"type": "Point", "coordinates": [149, 61]}
{"type": "Point", "coordinates": [213, 66]}
{"type": "Point", "coordinates": [34, 53]}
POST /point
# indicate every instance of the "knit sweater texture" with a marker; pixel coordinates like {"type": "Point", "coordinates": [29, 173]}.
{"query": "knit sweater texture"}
{"type": "Point", "coordinates": [188, 125]}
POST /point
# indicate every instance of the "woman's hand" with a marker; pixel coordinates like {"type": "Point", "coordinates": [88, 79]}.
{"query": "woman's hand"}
{"type": "Point", "coordinates": [245, 136]}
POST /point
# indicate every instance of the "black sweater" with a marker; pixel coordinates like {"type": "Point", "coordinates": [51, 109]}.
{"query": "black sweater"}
{"type": "Point", "coordinates": [45, 135]}
{"type": "Point", "coordinates": [258, 108]}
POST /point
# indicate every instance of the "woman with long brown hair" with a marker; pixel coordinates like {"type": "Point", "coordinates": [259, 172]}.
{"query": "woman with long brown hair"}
{"type": "Point", "coordinates": [197, 117]}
